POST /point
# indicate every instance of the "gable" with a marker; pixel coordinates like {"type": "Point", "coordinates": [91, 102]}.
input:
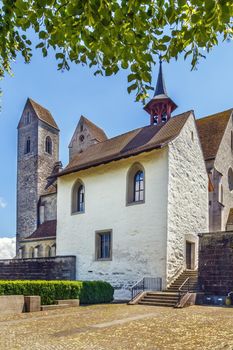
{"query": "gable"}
{"type": "Point", "coordinates": [39, 112]}
{"type": "Point", "coordinates": [211, 130]}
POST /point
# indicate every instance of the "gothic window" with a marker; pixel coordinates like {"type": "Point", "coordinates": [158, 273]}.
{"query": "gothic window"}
{"type": "Point", "coordinates": [47, 251]}
{"type": "Point", "coordinates": [28, 145]}
{"type": "Point", "coordinates": [27, 118]}
{"type": "Point", "coordinates": [230, 179]}
{"type": "Point", "coordinates": [232, 140]}
{"type": "Point", "coordinates": [78, 197]}
{"type": "Point", "coordinates": [48, 145]}
{"type": "Point", "coordinates": [136, 184]}
{"type": "Point", "coordinates": [104, 245]}
{"type": "Point", "coordinates": [53, 250]}
{"type": "Point", "coordinates": [31, 254]}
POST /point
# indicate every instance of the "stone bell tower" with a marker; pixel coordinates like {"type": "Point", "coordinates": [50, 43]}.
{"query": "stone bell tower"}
{"type": "Point", "coordinates": [160, 106]}
{"type": "Point", "coordinates": [38, 146]}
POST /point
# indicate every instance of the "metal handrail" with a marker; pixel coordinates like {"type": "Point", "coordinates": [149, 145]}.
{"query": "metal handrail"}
{"type": "Point", "coordinates": [135, 284]}
{"type": "Point", "coordinates": [146, 283]}
{"type": "Point", "coordinates": [180, 288]}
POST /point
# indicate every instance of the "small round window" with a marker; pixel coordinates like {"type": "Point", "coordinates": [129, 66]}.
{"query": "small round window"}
{"type": "Point", "coordinates": [81, 138]}
{"type": "Point", "coordinates": [230, 179]}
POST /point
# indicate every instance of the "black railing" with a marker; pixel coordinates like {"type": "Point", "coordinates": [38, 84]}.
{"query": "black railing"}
{"type": "Point", "coordinates": [147, 283]}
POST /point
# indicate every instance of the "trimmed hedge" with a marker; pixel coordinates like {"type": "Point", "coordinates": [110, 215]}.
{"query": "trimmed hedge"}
{"type": "Point", "coordinates": [89, 292]}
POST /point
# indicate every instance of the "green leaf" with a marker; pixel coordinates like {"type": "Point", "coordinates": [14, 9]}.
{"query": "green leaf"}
{"type": "Point", "coordinates": [132, 87]}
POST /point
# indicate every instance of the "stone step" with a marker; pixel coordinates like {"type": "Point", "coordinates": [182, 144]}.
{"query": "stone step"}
{"type": "Point", "coordinates": [156, 303]}
{"type": "Point", "coordinates": [162, 293]}
{"type": "Point", "coordinates": [162, 301]}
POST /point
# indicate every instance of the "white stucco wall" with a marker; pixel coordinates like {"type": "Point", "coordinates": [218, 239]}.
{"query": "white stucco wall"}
{"type": "Point", "coordinates": [223, 161]}
{"type": "Point", "coordinates": [187, 196]}
{"type": "Point", "coordinates": [139, 231]}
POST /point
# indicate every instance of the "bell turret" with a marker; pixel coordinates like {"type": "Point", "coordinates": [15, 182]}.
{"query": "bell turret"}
{"type": "Point", "coordinates": [160, 106]}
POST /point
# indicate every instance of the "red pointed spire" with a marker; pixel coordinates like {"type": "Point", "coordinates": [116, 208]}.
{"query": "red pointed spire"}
{"type": "Point", "coordinates": [160, 106]}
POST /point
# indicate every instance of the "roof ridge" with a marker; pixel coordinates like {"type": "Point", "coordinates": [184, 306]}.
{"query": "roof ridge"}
{"type": "Point", "coordinates": [146, 126]}
{"type": "Point", "coordinates": [216, 114]}
{"type": "Point", "coordinates": [95, 125]}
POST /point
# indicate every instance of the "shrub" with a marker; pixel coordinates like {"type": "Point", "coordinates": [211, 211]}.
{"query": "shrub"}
{"type": "Point", "coordinates": [89, 292]}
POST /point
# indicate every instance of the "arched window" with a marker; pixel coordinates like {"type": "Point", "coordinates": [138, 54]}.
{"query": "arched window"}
{"type": "Point", "coordinates": [31, 253]}
{"type": "Point", "coordinates": [48, 145]}
{"type": "Point", "coordinates": [136, 184]}
{"type": "Point", "coordinates": [28, 145]}
{"type": "Point", "coordinates": [47, 251]}
{"type": "Point", "coordinates": [78, 197]}
{"type": "Point", "coordinates": [53, 250]}
{"type": "Point", "coordinates": [27, 119]}
{"type": "Point", "coordinates": [139, 186]}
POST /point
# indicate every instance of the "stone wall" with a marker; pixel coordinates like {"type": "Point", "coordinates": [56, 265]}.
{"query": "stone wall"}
{"type": "Point", "coordinates": [54, 268]}
{"type": "Point", "coordinates": [222, 164]}
{"type": "Point", "coordinates": [187, 198]}
{"type": "Point", "coordinates": [216, 262]}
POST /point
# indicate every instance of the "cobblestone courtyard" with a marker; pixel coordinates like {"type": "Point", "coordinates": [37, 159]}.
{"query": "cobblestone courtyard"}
{"type": "Point", "coordinates": [119, 327]}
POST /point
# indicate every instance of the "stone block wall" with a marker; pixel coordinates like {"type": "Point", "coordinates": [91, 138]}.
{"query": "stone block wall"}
{"type": "Point", "coordinates": [216, 262]}
{"type": "Point", "coordinates": [52, 268]}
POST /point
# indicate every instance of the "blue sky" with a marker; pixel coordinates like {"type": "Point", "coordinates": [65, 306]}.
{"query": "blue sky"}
{"type": "Point", "coordinates": [104, 100]}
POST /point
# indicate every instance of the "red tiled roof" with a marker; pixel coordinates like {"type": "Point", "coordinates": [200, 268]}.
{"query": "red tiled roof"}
{"type": "Point", "coordinates": [97, 131]}
{"type": "Point", "coordinates": [211, 130]}
{"type": "Point", "coordinates": [43, 114]}
{"type": "Point", "coordinates": [45, 230]}
{"type": "Point", "coordinates": [134, 142]}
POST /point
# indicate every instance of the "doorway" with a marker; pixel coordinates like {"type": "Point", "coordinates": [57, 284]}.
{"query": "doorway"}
{"type": "Point", "coordinates": [190, 254]}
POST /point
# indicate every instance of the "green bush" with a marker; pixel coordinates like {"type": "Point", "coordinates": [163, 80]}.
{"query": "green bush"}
{"type": "Point", "coordinates": [89, 292]}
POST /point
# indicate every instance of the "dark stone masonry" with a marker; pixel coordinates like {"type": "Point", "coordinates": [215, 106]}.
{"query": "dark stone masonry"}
{"type": "Point", "coordinates": [216, 262]}
{"type": "Point", "coordinates": [53, 268]}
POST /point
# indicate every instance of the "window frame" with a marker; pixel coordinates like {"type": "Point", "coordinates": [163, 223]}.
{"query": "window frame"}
{"type": "Point", "coordinates": [98, 235]}
{"type": "Point", "coordinates": [130, 184]}
{"type": "Point", "coordinates": [48, 145]}
{"type": "Point", "coordinates": [28, 145]}
{"type": "Point", "coordinates": [75, 197]}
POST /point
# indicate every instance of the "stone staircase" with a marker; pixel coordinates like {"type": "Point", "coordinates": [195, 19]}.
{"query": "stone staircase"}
{"type": "Point", "coordinates": [192, 283]}
{"type": "Point", "coordinates": [170, 297]}
{"type": "Point", "coordinates": [159, 299]}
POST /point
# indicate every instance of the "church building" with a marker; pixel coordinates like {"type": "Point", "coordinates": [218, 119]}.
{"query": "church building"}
{"type": "Point", "coordinates": [127, 207]}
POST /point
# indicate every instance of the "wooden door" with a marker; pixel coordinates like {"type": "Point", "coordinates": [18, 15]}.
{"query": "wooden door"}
{"type": "Point", "coordinates": [188, 255]}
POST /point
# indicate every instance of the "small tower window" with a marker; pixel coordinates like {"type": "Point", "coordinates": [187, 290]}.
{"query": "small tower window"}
{"type": "Point", "coordinates": [48, 145]}
{"type": "Point", "coordinates": [230, 179]}
{"type": "Point", "coordinates": [81, 127]}
{"type": "Point", "coordinates": [28, 145]}
{"type": "Point", "coordinates": [232, 140]}
{"type": "Point", "coordinates": [27, 119]}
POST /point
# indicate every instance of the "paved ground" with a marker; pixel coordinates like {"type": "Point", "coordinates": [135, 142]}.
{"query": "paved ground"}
{"type": "Point", "coordinates": [116, 327]}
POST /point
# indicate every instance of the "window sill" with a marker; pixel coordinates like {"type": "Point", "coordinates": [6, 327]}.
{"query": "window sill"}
{"type": "Point", "coordinates": [104, 259]}
{"type": "Point", "coordinates": [135, 203]}
{"type": "Point", "coordinates": [78, 213]}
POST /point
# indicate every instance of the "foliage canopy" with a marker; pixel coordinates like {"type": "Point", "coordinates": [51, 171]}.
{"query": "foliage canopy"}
{"type": "Point", "coordinates": [113, 35]}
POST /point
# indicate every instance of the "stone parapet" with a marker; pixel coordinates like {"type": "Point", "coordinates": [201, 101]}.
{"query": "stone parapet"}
{"type": "Point", "coordinates": [52, 268]}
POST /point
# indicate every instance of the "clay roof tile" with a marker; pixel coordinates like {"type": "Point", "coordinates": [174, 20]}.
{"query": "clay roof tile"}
{"type": "Point", "coordinates": [211, 130]}
{"type": "Point", "coordinates": [131, 143]}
